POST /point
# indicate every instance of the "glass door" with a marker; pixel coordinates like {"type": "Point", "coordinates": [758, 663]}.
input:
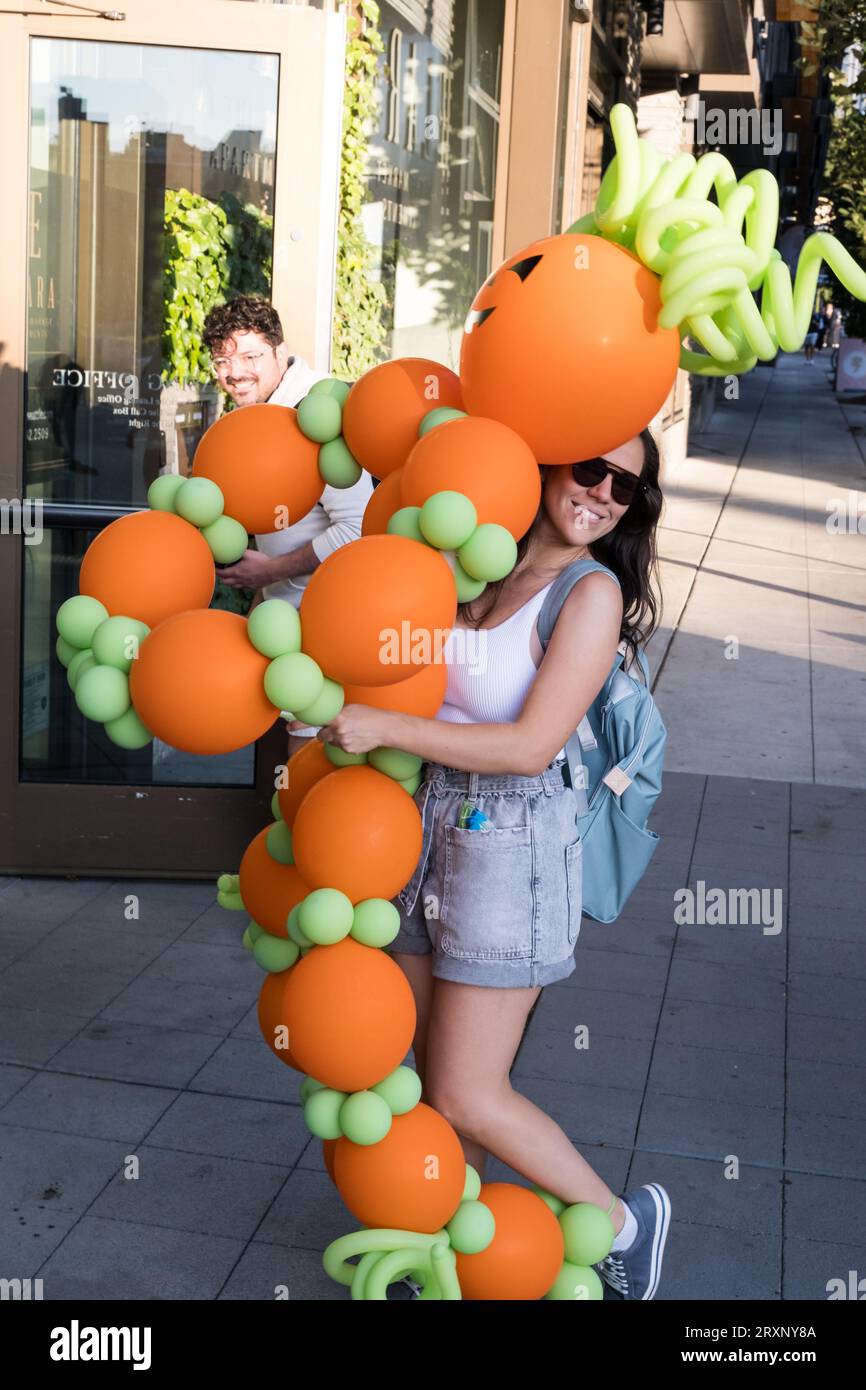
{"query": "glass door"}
{"type": "Point", "coordinates": [155, 165]}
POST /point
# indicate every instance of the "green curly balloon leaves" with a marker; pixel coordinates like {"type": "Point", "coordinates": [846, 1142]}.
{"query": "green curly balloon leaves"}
{"type": "Point", "coordinates": [710, 268]}
{"type": "Point", "coordinates": [388, 1255]}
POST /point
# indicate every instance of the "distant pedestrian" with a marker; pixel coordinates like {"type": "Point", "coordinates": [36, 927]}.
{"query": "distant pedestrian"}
{"type": "Point", "coordinates": [826, 324]}
{"type": "Point", "coordinates": [811, 339]}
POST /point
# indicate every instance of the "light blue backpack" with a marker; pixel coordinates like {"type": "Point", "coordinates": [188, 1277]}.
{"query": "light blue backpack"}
{"type": "Point", "coordinates": [615, 765]}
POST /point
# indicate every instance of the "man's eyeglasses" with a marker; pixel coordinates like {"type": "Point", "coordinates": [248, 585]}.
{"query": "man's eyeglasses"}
{"type": "Point", "coordinates": [248, 361]}
{"type": "Point", "coordinates": [624, 486]}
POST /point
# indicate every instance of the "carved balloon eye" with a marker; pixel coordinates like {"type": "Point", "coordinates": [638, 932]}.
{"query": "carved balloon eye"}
{"type": "Point", "coordinates": [476, 317]}
{"type": "Point", "coordinates": [525, 267]}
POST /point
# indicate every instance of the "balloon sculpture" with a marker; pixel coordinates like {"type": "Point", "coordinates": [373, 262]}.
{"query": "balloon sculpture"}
{"type": "Point", "coordinates": [570, 347]}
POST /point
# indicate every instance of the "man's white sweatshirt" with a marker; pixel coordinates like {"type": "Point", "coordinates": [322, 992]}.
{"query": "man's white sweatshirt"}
{"type": "Point", "coordinates": [334, 520]}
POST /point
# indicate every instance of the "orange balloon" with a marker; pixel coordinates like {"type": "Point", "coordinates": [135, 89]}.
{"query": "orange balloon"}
{"type": "Point", "coordinates": [149, 565]}
{"type": "Point", "coordinates": [267, 469]}
{"type": "Point", "coordinates": [328, 1148]}
{"type": "Point", "coordinates": [198, 683]}
{"type": "Point", "coordinates": [570, 353]}
{"type": "Point", "coordinates": [378, 609]}
{"type": "Point", "coordinates": [383, 503]}
{"type": "Point", "coordinates": [271, 1020]}
{"type": "Point", "coordinates": [394, 1183]}
{"type": "Point", "coordinates": [358, 831]}
{"type": "Point", "coordinates": [387, 404]}
{"type": "Point", "coordinates": [526, 1253]}
{"type": "Point", "coordinates": [350, 1014]}
{"type": "Point", "coordinates": [269, 890]}
{"type": "Point", "coordinates": [306, 767]}
{"type": "Point", "coordinates": [483, 459]}
{"type": "Point", "coordinates": [421, 694]}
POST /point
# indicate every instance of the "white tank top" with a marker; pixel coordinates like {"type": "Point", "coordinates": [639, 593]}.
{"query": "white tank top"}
{"type": "Point", "coordinates": [490, 670]}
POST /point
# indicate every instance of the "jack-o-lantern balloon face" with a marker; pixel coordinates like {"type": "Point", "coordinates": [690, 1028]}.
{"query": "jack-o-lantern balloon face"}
{"type": "Point", "coordinates": [562, 344]}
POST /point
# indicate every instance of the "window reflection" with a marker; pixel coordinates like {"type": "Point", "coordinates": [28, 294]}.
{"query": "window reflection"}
{"type": "Point", "coordinates": [122, 136]}
{"type": "Point", "coordinates": [432, 167]}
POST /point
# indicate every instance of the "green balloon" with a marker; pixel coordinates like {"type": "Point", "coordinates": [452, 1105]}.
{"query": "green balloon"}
{"type": "Point", "coordinates": [199, 501]}
{"type": "Point", "coordinates": [293, 927]}
{"type": "Point", "coordinates": [308, 1086]}
{"type": "Point", "coordinates": [471, 1228]}
{"type": "Point", "coordinates": [293, 681]}
{"type": "Point", "coordinates": [588, 1233]}
{"type": "Point", "coordinates": [163, 490]}
{"type": "Point", "coordinates": [227, 538]}
{"type": "Point", "coordinates": [472, 1186]}
{"type": "Point", "coordinates": [274, 953]}
{"type": "Point", "coordinates": [128, 731]}
{"type": "Point", "coordinates": [406, 522]}
{"type": "Point", "coordinates": [326, 706]}
{"type": "Point", "coordinates": [227, 883]}
{"type": "Point", "coordinates": [117, 641]}
{"type": "Point", "coordinates": [78, 618]}
{"type": "Point", "coordinates": [275, 806]}
{"type": "Point", "coordinates": [279, 843]}
{"type": "Point", "coordinates": [65, 651]}
{"type": "Point", "coordinates": [375, 922]}
{"type": "Point", "coordinates": [401, 1091]}
{"type": "Point", "coordinates": [80, 663]}
{"type": "Point", "coordinates": [467, 587]}
{"type": "Point", "coordinates": [411, 784]}
{"type": "Point", "coordinates": [440, 416]}
{"type": "Point", "coordinates": [331, 386]}
{"type": "Point", "coordinates": [340, 758]}
{"type": "Point", "coordinates": [255, 931]}
{"type": "Point", "coordinates": [325, 916]}
{"type": "Point", "coordinates": [337, 466]}
{"type": "Point", "coordinates": [556, 1204]}
{"type": "Point", "coordinates": [322, 1112]}
{"type": "Point", "coordinates": [447, 520]}
{"type": "Point", "coordinates": [576, 1282]}
{"type": "Point", "coordinates": [490, 552]}
{"type": "Point", "coordinates": [232, 902]}
{"type": "Point", "coordinates": [394, 762]}
{"type": "Point", "coordinates": [320, 417]}
{"type": "Point", "coordinates": [102, 693]}
{"type": "Point", "coordinates": [365, 1118]}
{"type": "Point", "coordinates": [274, 628]}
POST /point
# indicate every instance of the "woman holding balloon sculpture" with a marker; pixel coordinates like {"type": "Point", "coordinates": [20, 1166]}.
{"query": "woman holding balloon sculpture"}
{"type": "Point", "coordinates": [493, 911]}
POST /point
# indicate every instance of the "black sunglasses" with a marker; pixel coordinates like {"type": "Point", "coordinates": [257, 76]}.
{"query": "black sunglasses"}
{"type": "Point", "coordinates": [624, 486]}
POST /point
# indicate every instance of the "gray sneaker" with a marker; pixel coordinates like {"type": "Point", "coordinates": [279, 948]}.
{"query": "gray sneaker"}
{"type": "Point", "coordinates": [634, 1273]}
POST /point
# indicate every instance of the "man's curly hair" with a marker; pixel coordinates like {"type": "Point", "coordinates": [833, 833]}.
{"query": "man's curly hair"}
{"type": "Point", "coordinates": [244, 314]}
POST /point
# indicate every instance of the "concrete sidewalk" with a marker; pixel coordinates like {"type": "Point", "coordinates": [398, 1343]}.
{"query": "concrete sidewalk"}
{"type": "Point", "coordinates": [762, 657]}
{"type": "Point", "coordinates": [725, 1060]}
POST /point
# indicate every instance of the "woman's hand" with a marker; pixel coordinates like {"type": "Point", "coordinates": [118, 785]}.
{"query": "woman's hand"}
{"type": "Point", "coordinates": [358, 729]}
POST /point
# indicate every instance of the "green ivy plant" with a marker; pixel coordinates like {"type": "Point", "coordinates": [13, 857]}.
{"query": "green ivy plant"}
{"type": "Point", "coordinates": [359, 327]}
{"type": "Point", "coordinates": [213, 251]}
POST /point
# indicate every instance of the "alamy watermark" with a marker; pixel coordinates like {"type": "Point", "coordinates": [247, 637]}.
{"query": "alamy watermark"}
{"type": "Point", "coordinates": [22, 518]}
{"type": "Point", "coordinates": [847, 515]}
{"type": "Point", "coordinates": [725, 907]}
{"type": "Point", "coordinates": [739, 125]}
{"type": "Point", "coordinates": [424, 646]}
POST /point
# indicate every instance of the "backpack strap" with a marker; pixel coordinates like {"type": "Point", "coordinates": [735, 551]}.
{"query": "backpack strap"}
{"type": "Point", "coordinates": [583, 739]}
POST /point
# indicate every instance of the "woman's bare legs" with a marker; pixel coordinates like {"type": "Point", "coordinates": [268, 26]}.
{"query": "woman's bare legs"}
{"type": "Point", "coordinates": [418, 971]}
{"type": "Point", "coordinates": [473, 1035]}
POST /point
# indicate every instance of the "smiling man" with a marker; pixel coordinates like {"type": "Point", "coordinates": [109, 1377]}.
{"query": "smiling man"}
{"type": "Point", "coordinates": [253, 366]}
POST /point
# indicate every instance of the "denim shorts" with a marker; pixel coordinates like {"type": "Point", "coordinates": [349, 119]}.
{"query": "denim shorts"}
{"type": "Point", "coordinates": [501, 905]}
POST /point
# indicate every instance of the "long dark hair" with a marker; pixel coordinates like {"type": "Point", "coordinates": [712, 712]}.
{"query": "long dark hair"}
{"type": "Point", "coordinates": [629, 550]}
